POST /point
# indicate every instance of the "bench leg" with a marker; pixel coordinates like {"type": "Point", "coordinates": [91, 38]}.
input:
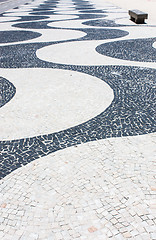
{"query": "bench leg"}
{"type": "Point", "coordinates": [132, 19]}
{"type": "Point", "coordinates": [139, 20]}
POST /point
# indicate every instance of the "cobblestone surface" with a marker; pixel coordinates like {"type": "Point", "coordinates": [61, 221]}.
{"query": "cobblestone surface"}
{"type": "Point", "coordinates": [7, 91]}
{"type": "Point", "coordinates": [99, 190]}
{"type": "Point", "coordinates": [141, 50]}
{"type": "Point", "coordinates": [134, 99]}
{"type": "Point", "coordinates": [15, 36]}
{"type": "Point", "coordinates": [96, 179]}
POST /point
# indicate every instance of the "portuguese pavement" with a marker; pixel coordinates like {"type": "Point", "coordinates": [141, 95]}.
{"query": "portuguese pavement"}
{"type": "Point", "coordinates": [77, 126]}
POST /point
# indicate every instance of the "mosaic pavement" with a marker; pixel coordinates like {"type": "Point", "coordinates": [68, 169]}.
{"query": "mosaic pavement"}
{"type": "Point", "coordinates": [77, 123]}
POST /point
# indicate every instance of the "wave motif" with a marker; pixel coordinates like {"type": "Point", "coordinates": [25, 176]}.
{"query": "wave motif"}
{"type": "Point", "coordinates": [17, 36]}
{"type": "Point", "coordinates": [103, 23]}
{"type": "Point", "coordinates": [135, 50]}
{"type": "Point", "coordinates": [130, 113]}
{"type": "Point", "coordinates": [7, 91]}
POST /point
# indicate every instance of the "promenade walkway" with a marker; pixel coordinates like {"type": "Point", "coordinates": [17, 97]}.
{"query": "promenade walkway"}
{"type": "Point", "coordinates": [77, 126]}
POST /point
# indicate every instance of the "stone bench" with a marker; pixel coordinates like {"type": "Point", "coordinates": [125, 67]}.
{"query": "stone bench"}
{"type": "Point", "coordinates": [137, 16]}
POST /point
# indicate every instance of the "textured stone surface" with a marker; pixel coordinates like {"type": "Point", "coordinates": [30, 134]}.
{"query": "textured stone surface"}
{"type": "Point", "coordinates": [103, 23]}
{"type": "Point", "coordinates": [135, 50]}
{"type": "Point", "coordinates": [100, 189]}
{"type": "Point", "coordinates": [61, 99]}
{"type": "Point", "coordinates": [94, 179]}
{"type": "Point", "coordinates": [15, 36]}
{"type": "Point", "coordinates": [7, 91]}
{"type": "Point", "coordinates": [131, 113]}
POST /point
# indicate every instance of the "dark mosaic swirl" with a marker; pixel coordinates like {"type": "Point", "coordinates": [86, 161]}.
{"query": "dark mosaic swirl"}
{"type": "Point", "coordinates": [80, 16]}
{"type": "Point", "coordinates": [103, 23]}
{"type": "Point", "coordinates": [131, 113]}
{"type": "Point", "coordinates": [33, 25]}
{"type": "Point", "coordinates": [90, 16]}
{"type": "Point", "coordinates": [92, 33]}
{"type": "Point", "coordinates": [49, 3]}
{"type": "Point", "coordinates": [42, 9]}
{"type": "Point", "coordinates": [16, 36]}
{"type": "Point", "coordinates": [81, 8]}
{"type": "Point", "coordinates": [7, 91]}
{"type": "Point", "coordinates": [24, 55]}
{"type": "Point", "coordinates": [101, 34]}
{"type": "Point", "coordinates": [92, 11]}
{"type": "Point", "coordinates": [100, 11]}
{"type": "Point", "coordinates": [133, 50]}
{"type": "Point", "coordinates": [82, 4]}
{"type": "Point", "coordinates": [27, 18]}
{"type": "Point", "coordinates": [43, 12]}
{"type": "Point", "coordinates": [31, 18]}
{"type": "Point", "coordinates": [46, 7]}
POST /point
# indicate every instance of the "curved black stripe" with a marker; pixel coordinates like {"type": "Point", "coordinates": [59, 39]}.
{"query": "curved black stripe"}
{"type": "Point", "coordinates": [134, 50]}
{"type": "Point", "coordinates": [92, 33]}
{"type": "Point", "coordinates": [16, 36]}
{"type": "Point", "coordinates": [103, 23]}
{"type": "Point", "coordinates": [31, 18]}
{"type": "Point", "coordinates": [92, 11]}
{"type": "Point", "coordinates": [7, 91]}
